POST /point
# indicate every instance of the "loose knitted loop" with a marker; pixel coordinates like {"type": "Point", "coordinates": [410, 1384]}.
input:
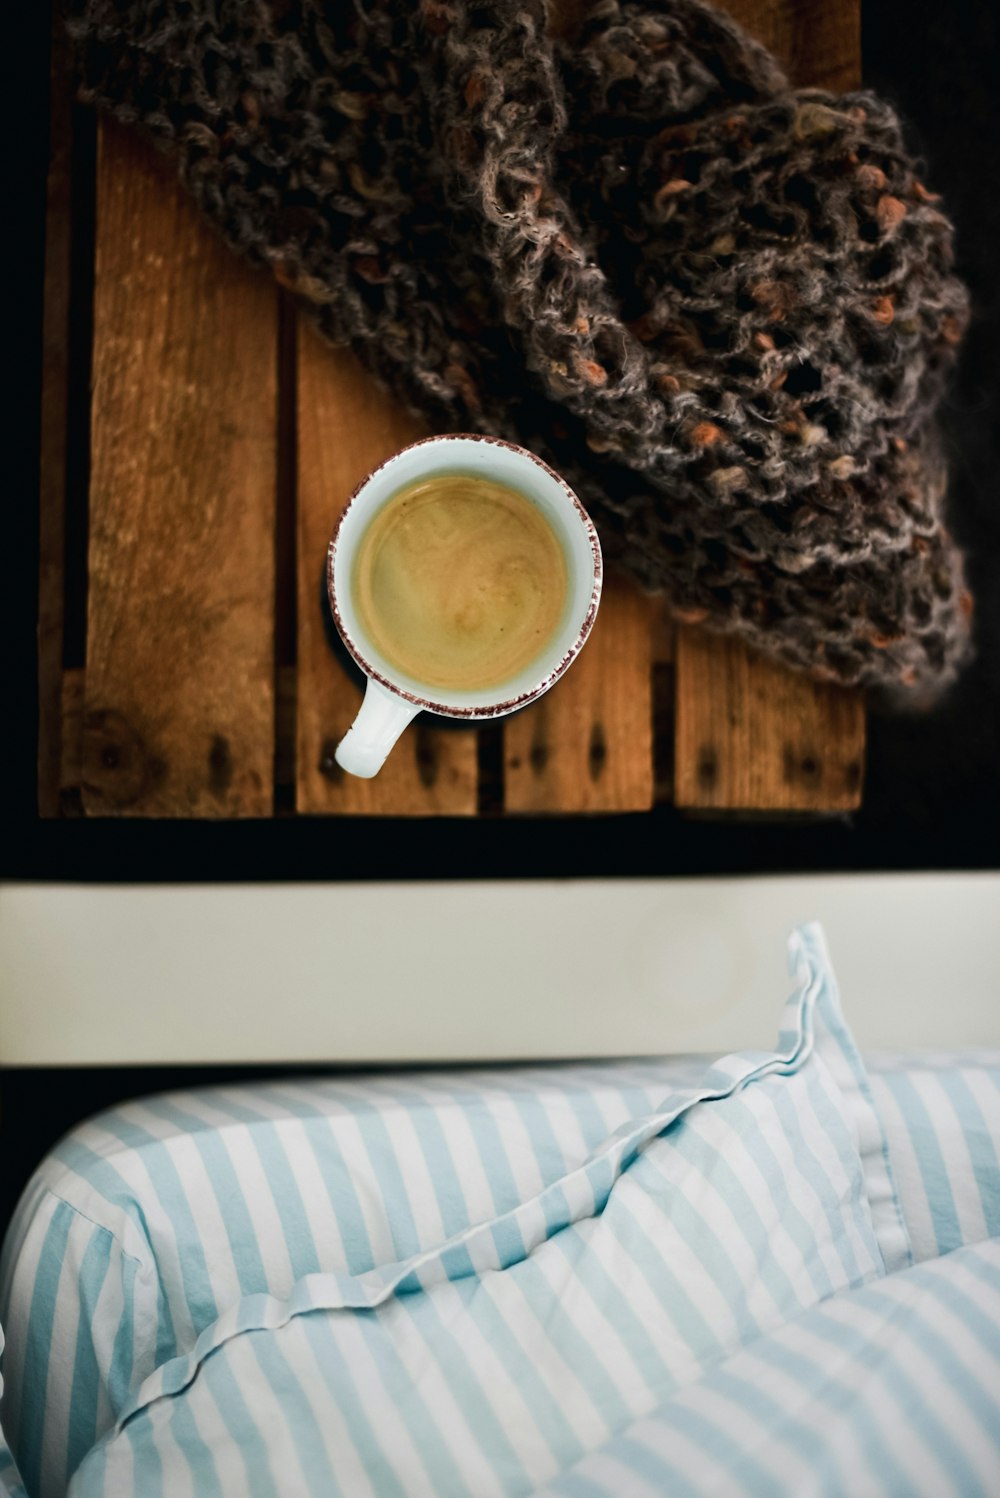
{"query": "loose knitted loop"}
{"type": "Point", "coordinates": [724, 308]}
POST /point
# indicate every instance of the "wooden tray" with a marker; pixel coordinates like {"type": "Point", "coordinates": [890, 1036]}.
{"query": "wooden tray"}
{"type": "Point", "coordinates": [184, 658]}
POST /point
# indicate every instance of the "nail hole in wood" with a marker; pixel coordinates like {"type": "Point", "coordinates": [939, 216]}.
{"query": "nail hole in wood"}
{"type": "Point", "coordinates": [708, 766]}
{"type": "Point", "coordinates": [811, 771]}
{"type": "Point", "coordinates": [597, 755]}
{"type": "Point", "coordinates": [328, 766]}
{"type": "Point", "coordinates": [220, 766]}
{"type": "Point", "coordinates": [426, 755]}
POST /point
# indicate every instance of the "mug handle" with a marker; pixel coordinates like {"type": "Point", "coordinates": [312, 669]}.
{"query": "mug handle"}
{"type": "Point", "coordinates": [381, 719]}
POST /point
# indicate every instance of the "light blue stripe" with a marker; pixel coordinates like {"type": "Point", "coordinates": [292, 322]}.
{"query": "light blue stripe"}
{"type": "Point", "coordinates": [82, 1426]}
{"type": "Point", "coordinates": [385, 1162]}
{"type": "Point", "coordinates": [441, 1170]}
{"type": "Point", "coordinates": [634, 1102]}
{"type": "Point", "coordinates": [815, 1453]}
{"type": "Point", "coordinates": [281, 1182]}
{"type": "Point", "coordinates": [204, 1476]}
{"type": "Point", "coordinates": [650, 1265]}
{"type": "Point", "coordinates": [342, 1388]}
{"type": "Point", "coordinates": [707, 1160]}
{"type": "Point", "coordinates": [576, 1485]}
{"type": "Point", "coordinates": [831, 1117]}
{"type": "Point", "coordinates": [601, 1176]}
{"type": "Point", "coordinates": [308, 1441]}
{"type": "Point", "coordinates": [101, 1177]}
{"type": "Point", "coordinates": [550, 1159]}
{"type": "Point", "coordinates": [466, 1388]}
{"type": "Point", "coordinates": [570, 1341]}
{"type": "Point", "coordinates": [649, 1464]}
{"type": "Point", "coordinates": [796, 1365]}
{"type": "Point", "coordinates": [172, 1197]}
{"type": "Point", "coordinates": [123, 1350]}
{"type": "Point", "coordinates": [816, 1176]}
{"type": "Point", "coordinates": [981, 1143]}
{"type": "Point", "coordinates": [339, 1181]}
{"type": "Point", "coordinates": [445, 1176]}
{"type": "Point", "coordinates": [249, 1440]}
{"type": "Point", "coordinates": [928, 1340]}
{"type": "Point", "coordinates": [99, 1174]}
{"type": "Point", "coordinates": [920, 1418]}
{"type": "Point", "coordinates": [933, 1171]}
{"type": "Point", "coordinates": [409, 1403]}
{"type": "Point", "coordinates": [491, 1148]}
{"type": "Point", "coordinates": [983, 1269]}
{"type": "Point", "coordinates": [614, 1301]}
{"type": "Point", "coordinates": [145, 1457]}
{"type": "Point", "coordinates": [91, 1479]}
{"type": "Point", "coordinates": [814, 1180]}
{"type": "Point", "coordinates": [221, 1173]}
{"type": "Point", "coordinates": [575, 1348]}
{"type": "Point", "coordinates": [541, 1399]}
{"type": "Point", "coordinates": [698, 1427]}
{"type": "Point", "coordinates": [712, 1254]}
{"type": "Point", "coordinates": [38, 1345]}
{"type": "Point", "coordinates": [830, 1017]}
{"type": "Point", "coordinates": [10, 1478]}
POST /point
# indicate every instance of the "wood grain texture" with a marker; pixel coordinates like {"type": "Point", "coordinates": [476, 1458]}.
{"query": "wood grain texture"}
{"type": "Point", "coordinates": [54, 413]}
{"type": "Point", "coordinates": [179, 696]}
{"type": "Point", "coordinates": [748, 738]}
{"type": "Point", "coordinates": [748, 734]}
{"type": "Point", "coordinates": [587, 745]}
{"type": "Point", "coordinates": [817, 42]}
{"type": "Point", "coordinates": [346, 426]}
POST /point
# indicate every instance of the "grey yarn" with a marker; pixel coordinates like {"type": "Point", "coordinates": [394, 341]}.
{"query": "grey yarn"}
{"type": "Point", "coordinates": [722, 307]}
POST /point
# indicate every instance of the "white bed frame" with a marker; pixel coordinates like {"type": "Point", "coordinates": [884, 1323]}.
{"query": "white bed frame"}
{"type": "Point", "coordinates": [475, 971]}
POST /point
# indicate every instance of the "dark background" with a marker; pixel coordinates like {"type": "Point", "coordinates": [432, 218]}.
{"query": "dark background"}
{"type": "Point", "coordinates": [932, 793]}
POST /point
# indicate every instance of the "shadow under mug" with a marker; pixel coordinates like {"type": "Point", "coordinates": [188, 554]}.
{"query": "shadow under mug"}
{"type": "Point", "coordinates": [392, 697]}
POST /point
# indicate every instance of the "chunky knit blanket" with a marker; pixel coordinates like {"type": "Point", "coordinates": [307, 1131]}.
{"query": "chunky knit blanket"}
{"type": "Point", "coordinates": [722, 307]}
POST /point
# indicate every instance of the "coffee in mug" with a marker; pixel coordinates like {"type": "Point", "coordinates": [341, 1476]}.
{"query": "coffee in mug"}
{"type": "Point", "coordinates": [464, 576]}
{"type": "Point", "coordinates": [460, 581]}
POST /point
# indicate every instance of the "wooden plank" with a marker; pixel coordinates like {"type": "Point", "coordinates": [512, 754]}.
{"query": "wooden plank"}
{"type": "Point", "coordinates": [179, 703]}
{"type": "Point", "coordinates": [750, 735]}
{"type": "Point", "coordinates": [817, 42]}
{"type": "Point", "coordinates": [54, 410]}
{"type": "Point", "coordinates": [747, 736]}
{"type": "Point", "coordinates": [346, 426]}
{"type": "Point", "coordinates": [587, 746]}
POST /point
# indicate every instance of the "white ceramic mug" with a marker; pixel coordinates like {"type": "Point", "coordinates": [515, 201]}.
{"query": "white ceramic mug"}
{"type": "Point", "coordinates": [392, 697]}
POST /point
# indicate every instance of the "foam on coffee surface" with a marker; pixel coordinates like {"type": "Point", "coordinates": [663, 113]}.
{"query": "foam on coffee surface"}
{"type": "Point", "coordinates": [460, 582]}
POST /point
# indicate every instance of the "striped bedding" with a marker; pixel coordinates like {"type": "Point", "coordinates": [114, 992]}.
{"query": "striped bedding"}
{"type": "Point", "coordinates": [803, 1410]}
{"type": "Point", "coordinates": [941, 1118]}
{"type": "Point", "coordinates": [11, 1485]}
{"type": "Point", "coordinates": [890, 1390]}
{"type": "Point", "coordinates": [454, 1282]}
{"type": "Point", "coordinates": [10, 1478]}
